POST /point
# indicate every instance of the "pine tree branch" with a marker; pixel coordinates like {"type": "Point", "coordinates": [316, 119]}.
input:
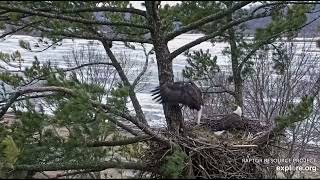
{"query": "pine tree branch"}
{"type": "Point", "coordinates": [75, 173]}
{"type": "Point", "coordinates": [69, 18]}
{"type": "Point", "coordinates": [123, 142]}
{"type": "Point", "coordinates": [124, 115]}
{"type": "Point", "coordinates": [19, 93]}
{"type": "Point", "coordinates": [94, 37]}
{"type": "Point", "coordinates": [40, 77]}
{"type": "Point", "coordinates": [206, 20]}
{"type": "Point", "coordinates": [67, 34]}
{"type": "Point", "coordinates": [212, 35]}
{"type": "Point", "coordinates": [109, 9]}
{"type": "Point", "coordinates": [20, 28]}
{"type": "Point", "coordinates": [284, 3]}
{"type": "Point", "coordinates": [138, 123]}
{"type": "Point", "coordinates": [84, 165]}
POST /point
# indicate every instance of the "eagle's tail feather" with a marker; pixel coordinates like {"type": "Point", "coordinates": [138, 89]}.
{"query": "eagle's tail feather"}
{"type": "Point", "coordinates": [155, 93]}
{"type": "Point", "coordinates": [157, 97]}
{"type": "Point", "coordinates": [156, 89]}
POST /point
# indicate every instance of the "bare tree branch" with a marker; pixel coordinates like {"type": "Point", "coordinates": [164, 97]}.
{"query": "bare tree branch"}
{"type": "Point", "coordinates": [218, 92]}
{"type": "Point", "coordinates": [145, 67]}
{"type": "Point", "coordinates": [269, 39]}
{"type": "Point", "coordinates": [87, 64]}
{"type": "Point", "coordinates": [265, 136]}
{"type": "Point", "coordinates": [54, 43]}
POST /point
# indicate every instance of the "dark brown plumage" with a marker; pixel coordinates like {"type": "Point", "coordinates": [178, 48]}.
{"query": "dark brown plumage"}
{"type": "Point", "coordinates": [186, 93]}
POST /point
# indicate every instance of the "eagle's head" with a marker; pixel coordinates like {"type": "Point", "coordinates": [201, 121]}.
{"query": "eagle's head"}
{"type": "Point", "coordinates": [237, 109]}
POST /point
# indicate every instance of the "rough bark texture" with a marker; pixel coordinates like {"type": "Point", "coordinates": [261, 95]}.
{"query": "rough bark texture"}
{"type": "Point", "coordinates": [172, 112]}
{"type": "Point", "coordinates": [238, 85]}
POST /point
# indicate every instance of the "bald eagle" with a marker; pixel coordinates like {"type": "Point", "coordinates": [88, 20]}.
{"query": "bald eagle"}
{"type": "Point", "coordinates": [234, 116]}
{"type": "Point", "coordinates": [230, 121]}
{"type": "Point", "coordinates": [185, 93]}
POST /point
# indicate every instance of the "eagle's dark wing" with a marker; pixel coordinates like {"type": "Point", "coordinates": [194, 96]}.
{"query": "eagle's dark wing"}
{"type": "Point", "coordinates": [195, 96]}
{"type": "Point", "coordinates": [168, 93]}
{"type": "Point", "coordinates": [179, 92]}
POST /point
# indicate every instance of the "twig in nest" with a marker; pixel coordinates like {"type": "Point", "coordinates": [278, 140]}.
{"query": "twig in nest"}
{"type": "Point", "coordinates": [207, 174]}
{"type": "Point", "coordinates": [244, 145]}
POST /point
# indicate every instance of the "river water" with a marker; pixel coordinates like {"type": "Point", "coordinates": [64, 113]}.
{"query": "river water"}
{"type": "Point", "coordinates": [153, 111]}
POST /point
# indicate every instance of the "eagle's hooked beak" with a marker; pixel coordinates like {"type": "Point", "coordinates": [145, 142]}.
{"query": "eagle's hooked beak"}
{"type": "Point", "coordinates": [199, 116]}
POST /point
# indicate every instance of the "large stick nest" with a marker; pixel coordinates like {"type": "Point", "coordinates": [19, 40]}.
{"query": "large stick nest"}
{"type": "Point", "coordinates": [214, 154]}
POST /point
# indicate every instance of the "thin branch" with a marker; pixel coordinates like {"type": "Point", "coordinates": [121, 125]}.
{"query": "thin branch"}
{"type": "Point", "coordinates": [124, 115]}
{"type": "Point", "coordinates": [15, 95]}
{"type": "Point", "coordinates": [212, 35]}
{"type": "Point", "coordinates": [12, 99]}
{"type": "Point", "coordinates": [67, 34]}
{"type": "Point", "coordinates": [67, 70]}
{"type": "Point", "coordinates": [120, 142]}
{"type": "Point", "coordinates": [265, 136]}
{"type": "Point", "coordinates": [109, 9]}
{"type": "Point", "coordinates": [136, 122]}
{"type": "Point", "coordinates": [315, 89]}
{"type": "Point", "coordinates": [122, 75]}
{"type": "Point", "coordinates": [145, 67]}
{"type": "Point", "coordinates": [267, 40]}
{"type": "Point", "coordinates": [87, 64]}
{"type": "Point", "coordinates": [32, 97]}
{"type": "Point", "coordinates": [19, 29]}
{"type": "Point", "coordinates": [218, 92]}
{"type": "Point", "coordinates": [206, 20]}
{"type": "Point", "coordinates": [92, 37]}
{"type": "Point", "coordinates": [85, 165]}
{"type": "Point", "coordinates": [54, 43]}
{"type": "Point", "coordinates": [70, 18]}
{"type": "Point", "coordinates": [123, 126]}
{"type": "Point", "coordinates": [284, 3]}
{"type": "Point", "coordinates": [76, 173]}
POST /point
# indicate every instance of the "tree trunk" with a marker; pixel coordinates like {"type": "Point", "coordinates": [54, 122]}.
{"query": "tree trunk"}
{"type": "Point", "coordinates": [172, 112]}
{"type": "Point", "coordinates": [238, 84]}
